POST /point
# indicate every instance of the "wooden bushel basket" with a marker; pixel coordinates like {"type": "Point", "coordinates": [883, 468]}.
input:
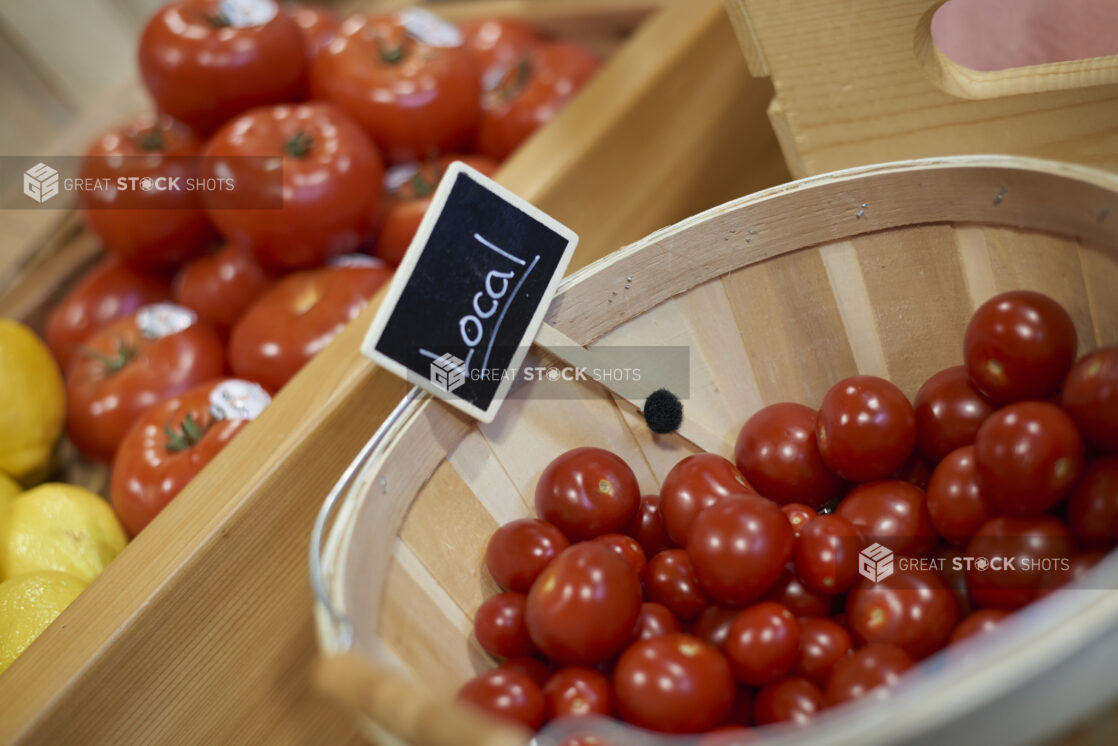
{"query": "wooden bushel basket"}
{"type": "Point", "coordinates": [777, 295]}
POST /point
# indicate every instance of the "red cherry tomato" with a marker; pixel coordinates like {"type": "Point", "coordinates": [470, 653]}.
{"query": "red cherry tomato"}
{"type": "Point", "coordinates": [823, 643]}
{"type": "Point", "coordinates": [647, 526]}
{"type": "Point", "coordinates": [499, 626]}
{"type": "Point", "coordinates": [519, 551]}
{"type": "Point", "coordinates": [739, 547]}
{"type": "Point", "coordinates": [713, 624]}
{"type": "Point", "coordinates": [955, 504]}
{"type": "Point", "coordinates": [951, 565]}
{"type": "Point", "coordinates": [533, 668]}
{"type": "Point", "coordinates": [777, 452]}
{"type": "Point", "coordinates": [156, 228]}
{"type": "Point", "coordinates": [669, 579]}
{"type": "Point", "coordinates": [695, 483]}
{"type": "Point", "coordinates": [870, 669]}
{"type": "Point", "coordinates": [763, 644]}
{"type": "Point", "coordinates": [317, 26]}
{"type": "Point", "coordinates": [204, 67]}
{"type": "Point", "coordinates": [673, 684]}
{"type": "Point", "coordinates": [654, 620]}
{"type": "Point", "coordinates": [1019, 345]}
{"type": "Point", "coordinates": [826, 554]}
{"type": "Point", "coordinates": [1093, 507]}
{"type": "Point", "coordinates": [577, 691]}
{"type": "Point", "coordinates": [627, 548]}
{"type": "Point", "coordinates": [530, 93]}
{"type": "Point", "coordinates": [892, 513]}
{"type": "Point", "coordinates": [498, 43]}
{"type": "Point", "coordinates": [866, 428]}
{"type": "Point", "coordinates": [413, 98]}
{"type": "Point", "coordinates": [798, 515]}
{"type": "Point", "coordinates": [978, 623]}
{"type": "Point", "coordinates": [790, 592]}
{"type": "Point", "coordinates": [171, 442]}
{"type": "Point", "coordinates": [912, 609]}
{"type": "Point", "coordinates": [1018, 553]}
{"type": "Point", "coordinates": [296, 318]}
{"type": "Point", "coordinates": [221, 286]}
{"type": "Point", "coordinates": [1027, 457]}
{"type": "Point", "coordinates": [949, 412]}
{"type": "Point", "coordinates": [107, 292]}
{"type": "Point", "coordinates": [329, 189]}
{"type": "Point", "coordinates": [791, 699]}
{"type": "Point", "coordinates": [584, 605]}
{"type": "Point", "coordinates": [506, 694]}
{"type": "Point", "coordinates": [1090, 396]}
{"type": "Point", "coordinates": [134, 362]}
{"type": "Point", "coordinates": [587, 492]}
{"type": "Point", "coordinates": [409, 188]}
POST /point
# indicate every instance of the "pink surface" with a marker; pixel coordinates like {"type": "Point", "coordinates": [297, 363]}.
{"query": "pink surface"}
{"type": "Point", "coordinates": [996, 34]}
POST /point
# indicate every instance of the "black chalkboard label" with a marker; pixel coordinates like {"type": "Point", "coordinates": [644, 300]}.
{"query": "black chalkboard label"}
{"type": "Point", "coordinates": [471, 292]}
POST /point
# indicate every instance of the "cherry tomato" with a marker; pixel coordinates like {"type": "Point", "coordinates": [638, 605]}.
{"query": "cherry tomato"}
{"type": "Point", "coordinates": [107, 292]}
{"type": "Point", "coordinates": [823, 643]}
{"type": "Point", "coordinates": [204, 65]}
{"type": "Point", "coordinates": [866, 428]}
{"type": "Point", "coordinates": [798, 515]}
{"type": "Point", "coordinates": [891, 513]}
{"type": "Point", "coordinates": [220, 287]}
{"type": "Point", "coordinates": [296, 318]}
{"type": "Point", "coordinates": [329, 189]}
{"type": "Point", "coordinates": [317, 26]}
{"type": "Point", "coordinates": [949, 412]}
{"type": "Point", "coordinates": [530, 93]}
{"type": "Point", "coordinates": [159, 351]}
{"type": "Point", "coordinates": [713, 623]}
{"type": "Point", "coordinates": [498, 43]}
{"type": "Point", "coordinates": [873, 668]}
{"type": "Point", "coordinates": [1027, 457]}
{"type": "Point", "coordinates": [409, 189]}
{"type": "Point", "coordinates": [978, 623]}
{"type": "Point", "coordinates": [1093, 507]}
{"type": "Point", "coordinates": [584, 605]}
{"type": "Point", "coordinates": [654, 620]}
{"type": "Point", "coordinates": [790, 592]}
{"type": "Point", "coordinates": [912, 609]}
{"type": "Point", "coordinates": [695, 483]}
{"type": "Point", "coordinates": [789, 699]}
{"type": "Point", "coordinates": [506, 694]}
{"type": "Point", "coordinates": [951, 564]}
{"type": "Point", "coordinates": [669, 579]}
{"type": "Point", "coordinates": [519, 551]}
{"type": "Point", "coordinates": [1090, 396]}
{"type": "Point", "coordinates": [587, 492]}
{"type": "Point", "coordinates": [739, 547]}
{"type": "Point", "coordinates": [955, 503]}
{"type": "Point", "coordinates": [1017, 552]}
{"type": "Point", "coordinates": [1019, 345]}
{"type": "Point", "coordinates": [627, 548]}
{"type": "Point", "coordinates": [413, 98]}
{"type": "Point", "coordinates": [763, 643]}
{"type": "Point", "coordinates": [577, 691]}
{"type": "Point", "coordinates": [673, 684]}
{"type": "Point", "coordinates": [533, 668]}
{"type": "Point", "coordinates": [777, 452]}
{"type": "Point", "coordinates": [500, 628]}
{"type": "Point", "coordinates": [826, 554]}
{"type": "Point", "coordinates": [158, 227]}
{"type": "Point", "coordinates": [171, 442]}
{"type": "Point", "coordinates": [647, 526]}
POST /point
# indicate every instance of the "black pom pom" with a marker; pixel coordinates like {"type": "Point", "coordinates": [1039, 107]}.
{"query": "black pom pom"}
{"type": "Point", "coordinates": [663, 411]}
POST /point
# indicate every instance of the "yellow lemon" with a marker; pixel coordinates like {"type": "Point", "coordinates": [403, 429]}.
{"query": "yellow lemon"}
{"type": "Point", "coordinates": [9, 488]}
{"type": "Point", "coordinates": [32, 401]}
{"type": "Point", "coordinates": [59, 527]}
{"type": "Point", "coordinates": [28, 603]}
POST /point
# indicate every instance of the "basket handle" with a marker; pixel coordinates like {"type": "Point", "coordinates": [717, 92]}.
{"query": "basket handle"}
{"type": "Point", "coordinates": [405, 710]}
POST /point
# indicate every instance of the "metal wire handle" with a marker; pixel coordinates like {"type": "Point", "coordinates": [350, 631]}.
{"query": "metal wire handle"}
{"type": "Point", "coordinates": [342, 623]}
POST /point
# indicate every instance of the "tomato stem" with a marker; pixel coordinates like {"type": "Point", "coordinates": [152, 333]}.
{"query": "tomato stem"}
{"type": "Point", "coordinates": [513, 85]}
{"type": "Point", "coordinates": [187, 436]}
{"type": "Point", "coordinates": [421, 186]}
{"type": "Point", "coordinates": [219, 20]}
{"type": "Point", "coordinates": [300, 145]}
{"type": "Point", "coordinates": [124, 355]}
{"type": "Point", "coordinates": [151, 140]}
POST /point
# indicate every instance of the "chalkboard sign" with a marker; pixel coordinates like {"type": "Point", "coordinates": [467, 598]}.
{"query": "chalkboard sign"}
{"type": "Point", "coordinates": [471, 292]}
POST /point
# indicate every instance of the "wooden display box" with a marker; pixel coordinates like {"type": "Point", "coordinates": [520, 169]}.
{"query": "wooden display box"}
{"type": "Point", "coordinates": [201, 630]}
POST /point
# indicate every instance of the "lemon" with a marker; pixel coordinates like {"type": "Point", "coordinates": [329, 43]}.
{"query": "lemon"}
{"type": "Point", "coordinates": [28, 603]}
{"type": "Point", "coordinates": [9, 488]}
{"type": "Point", "coordinates": [59, 527]}
{"type": "Point", "coordinates": [32, 401]}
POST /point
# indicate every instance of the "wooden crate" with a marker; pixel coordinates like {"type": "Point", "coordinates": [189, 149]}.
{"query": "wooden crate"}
{"type": "Point", "coordinates": [861, 82]}
{"type": "Point", "coordinates": [201, 629]}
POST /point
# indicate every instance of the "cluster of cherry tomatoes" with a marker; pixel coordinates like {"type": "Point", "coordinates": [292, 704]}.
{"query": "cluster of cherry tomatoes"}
{"type": "Point", "coordinates": [283, 176]}
{"type": "Point", "coordinates": [735, 597]}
